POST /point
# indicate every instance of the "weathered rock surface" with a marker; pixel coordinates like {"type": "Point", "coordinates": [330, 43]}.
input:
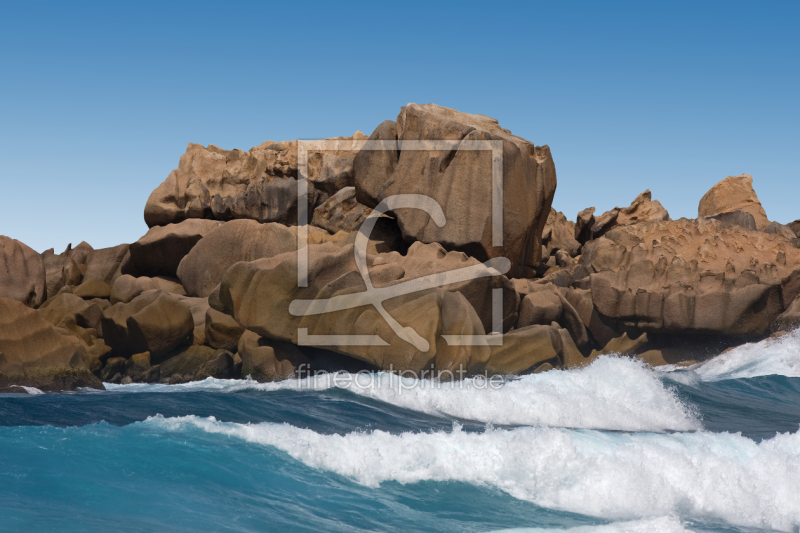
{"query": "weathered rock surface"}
{"type": "Point", "coordinates": [642, 209]}
{"type": "Point", "coordinates": [789, 319]}
{"type": "Point", "coordinates": [341, 212]}
{"type": "Point", "coordinates": [460, 181]}
{"type": "Point", "coordinates": [152, 322]}
{"type": "Point", "coordinates": [126, 287]}
{"type": "Point", "coordinates": [60, 271]}
{"type": "Point", "coordinates": [261, 362]}
{"type": "Point", "coordinates": [104, 264]}
{"type": "Point", "coordinates": [690, 276]}
{"type": "Point", "coordinates": [267, 286]}
{"type": "Point", "coordinates": [92, 288]}
{"type": "Point", "coordinates": [222, 331]}
{"type": "Point", "coordinates": [732, 194]}
{"type": "Point", "coordinates": [737, 218]}
{"type": "Point", "coordinates": [258, 295]}
{"type": "Point", "coordinates": [22, 273]}
{"type": "Point", "coordinates": [795, 227]}
{"type": "Point", "coordinates": [35, 353]}
{"type": "Point", "coordinates": [559, 235]}
{"type": "Point", "coordinates": [583, 225]}
{"type": "Point", "coordinates": [238, 240]}
{"type": "Point", "coordinates": [161, 250]}
{"type": "Point", "coordinates": [260, 184]}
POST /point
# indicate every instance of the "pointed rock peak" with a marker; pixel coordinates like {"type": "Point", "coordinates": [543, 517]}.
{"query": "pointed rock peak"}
{"type": "Point", "coordinates": [732, 194]}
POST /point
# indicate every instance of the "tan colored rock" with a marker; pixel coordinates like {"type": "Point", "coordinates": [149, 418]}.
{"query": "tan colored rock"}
{"type": "Point", "coordinates": [222, 331]}
{"type": "Point", "coordinates": [559, 234]}
{"type": "Point", "coordinates": [152, 322]}
{"type": "Point", "coordinates": [461, 182]}
{"type": "Point", "coordinates": [341, 212]}
{"type": "Point", "coordinates": [524, 349]}
{"type": "Point", "coordinates": [547, 305]}
{"type": "Point", "coordinates": [34, 353]}
{"type": "Point", "coordinates": [127, 287]}
{"type": "Point", "coordinates": [60, 271]}
{"type": "Point", "coordinates": [238, 240]}
{"type": "Point", "coordinates": [642, 209]}
{"type": "Point", "coordinates": [22, 273]}
{"type": "Point", "coordinates": [583, 225]}
{"type": "Point", "coordinates": [258, 293]}
{"type": "Point", "coordinates": [732, 194]}
{"type": "Point", "coordinates": [161, 250]}
{"type": "Point", "coordinates": [260, 184]}
{"type": "Point", "coordinates": [790, 319]}
{"type": "Point", "coordinates": [690, 276]}
{"type": "Point", "coordinates": [795, 227]}
{"type": "Point", "coordinates": [104, 264]}
{"type": "Point", "coordinates": [260, 362]}
{"type": "Point", "coordinates": [92, 288]}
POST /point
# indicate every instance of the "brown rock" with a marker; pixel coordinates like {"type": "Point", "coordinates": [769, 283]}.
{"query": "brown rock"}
{"type": "Point", "coordinates": [34, 353]}
{"type": "Point", "coordinates": [126, 287]}
{"type": "Point", "coordinates": [790, 319]}
{"type": "Point", "coordinates": [104, 264]}
{"type": "Point", "coordinates": [732, 194]}
{"type": "Point", "coordinates": [460, 181]}
{"type": "Point", "coordinates": [222, 331]}
{"type": "Point", "coordinates": [559, 235]}
{"type": "Point", "coordinates": [642, 209]}
{"type": "Point", "coordinates": [260, 184]}
{"type": "Point", "coordinates": [160, 251]}
{"type": "Point", "coordinates": [260, 362]}
{"type": "Point", "coordinates": [341, 212]}
{"type": "Point", "coordinates": [524, 349]}
{"type": "Point", "coordinates": [690, 276]}
{"type": "Point", "coordinates": [152, 322]}
{"type": "Point", "coordinates": [92, 288]}
{"type": "Point", "coordinates": [795, 227]}
{"type": "Point", "coordinates": [22, 273]}
{"type": "Point", "coordinates": [60, 271]}
{"type": "Point", "coordinates": [239, 240]}
{"type": "Point", "coordinates": [583, 225]}
{"type": "Point", "coordinates": [737, 218]}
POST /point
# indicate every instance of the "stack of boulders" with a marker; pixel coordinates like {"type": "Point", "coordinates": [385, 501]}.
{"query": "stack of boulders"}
{"type": "Point", "coordinates": [212, 289]}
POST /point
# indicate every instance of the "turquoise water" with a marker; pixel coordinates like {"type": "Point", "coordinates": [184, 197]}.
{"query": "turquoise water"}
{"type": "Point", "coordinates": [612, 447]}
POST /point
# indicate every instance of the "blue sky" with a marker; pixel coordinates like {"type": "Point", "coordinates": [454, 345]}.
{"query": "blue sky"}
{"type": "Point", "coordinates": [98, 100]}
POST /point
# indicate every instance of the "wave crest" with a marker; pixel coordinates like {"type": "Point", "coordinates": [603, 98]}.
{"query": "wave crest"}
{"type": "Point", "coordinates": [710, 476]}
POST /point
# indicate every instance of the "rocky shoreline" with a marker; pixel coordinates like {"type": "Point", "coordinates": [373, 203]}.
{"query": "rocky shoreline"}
{"type": "Point", "coordinates": [207, 291]}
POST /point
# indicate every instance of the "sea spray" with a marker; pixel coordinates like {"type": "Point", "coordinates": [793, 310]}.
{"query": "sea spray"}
{"type": "Point", "coordinates": [710, 476]}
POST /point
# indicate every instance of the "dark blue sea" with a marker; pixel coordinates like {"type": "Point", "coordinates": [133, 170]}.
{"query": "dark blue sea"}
{"type": "Point", "coordinates": [614, 447]}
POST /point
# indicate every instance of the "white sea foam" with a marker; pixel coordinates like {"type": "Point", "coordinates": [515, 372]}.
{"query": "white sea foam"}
{"type": "Point", "coordinates": [705, 476]}
{"type": "Point", "coordinates": [30, 390]}
{"type": "Point", "coordinates": [664, 524]}
{"type": "Point", "coordinates": [774, 356]}
{"type": "Point", "coordinates": [613, 393]}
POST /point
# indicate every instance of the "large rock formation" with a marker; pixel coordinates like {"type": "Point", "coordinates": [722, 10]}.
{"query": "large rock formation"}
{"type": "Point", "coordinates": [642, 209]}
{"type": "Point", "coordinates": [162, 248]}
{"type": "Point", "coordinates": [35, 353]}
{"type": "Point", "coordinates": [460, 180]}
{"type": "Point", "coordinates": [22, 273]}
{"type": "Point", "coordinates": [732, 194]}
{"type": "Point", "coordinates": [239, 240]}
{"type": "Point", "coordinates": [690, 276]}
{"type": "Point", "coordinates": [152, 322]}
{"type": "Point", "coordinates": [260, 184]}
{"type": "Point", "coordinates": [258, 294]}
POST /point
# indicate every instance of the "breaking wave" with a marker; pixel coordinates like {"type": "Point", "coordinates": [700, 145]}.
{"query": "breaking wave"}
{"type": "Point", "coordinates": [705, 476]}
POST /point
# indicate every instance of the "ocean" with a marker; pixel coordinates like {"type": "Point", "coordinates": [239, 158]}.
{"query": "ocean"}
{"type": "Point", "coordinates": [613, 447]}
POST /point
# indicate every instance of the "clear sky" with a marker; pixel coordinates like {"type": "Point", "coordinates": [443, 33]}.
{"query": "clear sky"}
{"type": "Point", "coordinates": [98, 100]}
